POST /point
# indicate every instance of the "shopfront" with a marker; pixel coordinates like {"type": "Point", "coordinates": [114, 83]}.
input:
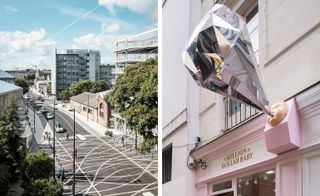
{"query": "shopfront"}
{"type": "Point", "coordinates": [239, 164]}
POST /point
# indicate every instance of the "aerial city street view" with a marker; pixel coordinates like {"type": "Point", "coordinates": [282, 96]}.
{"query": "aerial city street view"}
{"type": "Point", "coordinates": [78, 97]}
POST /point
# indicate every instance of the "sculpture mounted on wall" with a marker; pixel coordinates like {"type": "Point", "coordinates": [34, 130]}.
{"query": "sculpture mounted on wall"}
{"type": "Point", "coordinates": [220, 57]}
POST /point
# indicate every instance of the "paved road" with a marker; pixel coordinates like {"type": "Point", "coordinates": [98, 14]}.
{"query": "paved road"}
{"type": "Point", "coordinates": [103, 165]}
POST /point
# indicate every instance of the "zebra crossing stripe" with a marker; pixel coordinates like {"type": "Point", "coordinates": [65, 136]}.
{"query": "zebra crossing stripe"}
{"type": "Point", "coordinates": [81, 137]}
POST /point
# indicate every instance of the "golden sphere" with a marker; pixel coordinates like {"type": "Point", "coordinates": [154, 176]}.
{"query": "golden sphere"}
{"type": "Point", "coordinates": [279, 110]}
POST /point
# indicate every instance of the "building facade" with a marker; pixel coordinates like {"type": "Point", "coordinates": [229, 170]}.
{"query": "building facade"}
{"type": "Point", "coordinates": [227, 143]}
{"type": "Point", "coordinates": [92, 106]}
{"type": "Point", "coordinates": [107, 73]}
{"type": "Point", "coordinates": [74, 65]}
{"type": "Point", "coordinates": [9, 91]}
{"type": "Point", "coordinates": [134, 49]}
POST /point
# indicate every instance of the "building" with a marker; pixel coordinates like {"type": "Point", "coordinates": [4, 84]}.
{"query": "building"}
{"type": "Point", "coordinates": [4, 76]}
{"type": "Point", "coordinates": [92, 106]}
{"type": "Point", "coordinates": [134, 49]}
{"type": "Point", "coordinates": [224, 141]}
{"type": "Point", "coordinates": [107, 73]}
{"type": "Point", "coordinates": [9, 91]}
{"type": "Point", "coordinates": [74, 65]}
{"type": "Point", "coordinates": [42, 81]}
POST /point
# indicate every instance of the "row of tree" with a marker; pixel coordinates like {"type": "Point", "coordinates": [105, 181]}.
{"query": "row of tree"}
{"type": "Point", "coordinates": [12, 146]}
{"type": "Point", "coordinates": [135, 98]}
{"type": "Point", "coordinates": [34, 168]}
{"type": "Point", "coordinates": [81, 86]}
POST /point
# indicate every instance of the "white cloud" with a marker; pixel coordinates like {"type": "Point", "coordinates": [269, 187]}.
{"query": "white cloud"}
{"type": "Point", "coordinates": [80, 13]}
{"type": "Point", "coordinates": [34, 46]}
{"type": "Point", "coordinates": [12, 9]}
{"type": "Point", "coordinates": [140, 6]}
{"type": "Point", "coordinates": [104, 41]}
{"type": "Point", "coordinates": [110, 28]}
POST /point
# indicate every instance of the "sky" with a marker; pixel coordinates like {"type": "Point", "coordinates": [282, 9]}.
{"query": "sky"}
{"type": "Point", "coordinates": [31, 29]}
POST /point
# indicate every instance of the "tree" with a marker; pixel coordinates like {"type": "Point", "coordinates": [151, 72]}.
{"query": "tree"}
{"type": "Point", "coordinates": [79, 87]}
{"type": "Point", "coordinates": [49, 88]}
{"type": "Point", "coordinates": [11, 144]}
{"type": "Point", "coordinates": [46, 187]}
{"type": "Point", "coordinates": [64, 95]}
{"type": "Point", "coordinates": [4, 178]}
{"type": "Point", "coordinates": [99, 85]}
{"type": "Point", "coordinates": [31, 75]}
{"type": "Point", "coordinates": [38, 165]}
{"type": "Point", "coordinates": [135, 98]}
{"type": "Point", "coordinates": [23, 84]}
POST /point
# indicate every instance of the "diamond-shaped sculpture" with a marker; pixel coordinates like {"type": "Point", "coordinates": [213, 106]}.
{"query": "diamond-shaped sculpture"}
{"type": "Point", "coordinates": [220, 57]}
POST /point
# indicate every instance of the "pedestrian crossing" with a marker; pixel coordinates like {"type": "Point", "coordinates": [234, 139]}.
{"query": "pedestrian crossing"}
{"type": "Point", "coordinates": [78, 136]}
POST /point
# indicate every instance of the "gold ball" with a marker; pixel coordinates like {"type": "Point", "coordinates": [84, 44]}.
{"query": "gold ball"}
{"type": "Point", "coordinates": [279, 110]}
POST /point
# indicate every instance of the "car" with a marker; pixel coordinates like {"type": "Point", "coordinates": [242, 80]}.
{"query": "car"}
{"type": "Point", "coordinates": [58, 128]}
{"type": "Point", "coordinates": [49, 115]}
{"type": "Point", "coordinates": [43, 110]}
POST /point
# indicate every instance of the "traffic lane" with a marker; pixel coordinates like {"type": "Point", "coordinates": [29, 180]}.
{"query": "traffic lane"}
{"type": "Point", "coordinates": [67, 124]}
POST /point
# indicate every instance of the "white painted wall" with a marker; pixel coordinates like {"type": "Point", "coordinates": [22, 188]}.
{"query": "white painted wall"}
{"type": "Point", "coordinates": [289, 46]}
{"type": "Point", "coordinates": [175, 19]}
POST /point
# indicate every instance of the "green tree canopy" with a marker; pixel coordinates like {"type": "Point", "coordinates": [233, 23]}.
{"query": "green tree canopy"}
{"type": "Point", "coordinates": [135, 98]}
{"type": "Point", "coordinates": [4, 178]}
{"type": "Point", "coordinates": [81, 86]}
{"type": "Point", "coordinates": [11, 144]}
{"type": "Point", "coordinates": [98, 86]}
{"type": "Point", "coordinates": [38, 165]}
{"type": "Point", "coordinates": [46, 187]}
{"type": "Point", "coordinates": [31, 75]}
{"type": "Point", "coordinates": [23, 84]}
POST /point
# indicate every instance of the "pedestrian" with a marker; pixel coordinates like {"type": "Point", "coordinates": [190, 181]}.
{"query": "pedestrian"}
{"type": "Point", "coordinates": [122, 141]}
{"type": "Point", "coordinates": [75, 153]}
{"type": "Point", "coordinates": [62, 175]}
{"type": "Point", "coordinates": [67, 136]}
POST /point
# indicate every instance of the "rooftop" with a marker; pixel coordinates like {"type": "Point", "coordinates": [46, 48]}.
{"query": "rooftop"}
{"type": "Point", "coordinates": [6, 88]}
{"type": "Point", "coordinates": [83, 99]}
{"type": "Point", "coordinates": [4, 74]}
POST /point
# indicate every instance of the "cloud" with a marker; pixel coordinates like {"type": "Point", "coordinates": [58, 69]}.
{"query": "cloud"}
{"type": "Point", "coordinates": [14, 45]}
{"type": "Point", "coordinates": [110, 28]}
{"type": "Point", "coordinates": [139, 7]}
{"type": "Point", "coordinates": [12, 9]}
{"type": "Point", "coordinates": [103, 41]}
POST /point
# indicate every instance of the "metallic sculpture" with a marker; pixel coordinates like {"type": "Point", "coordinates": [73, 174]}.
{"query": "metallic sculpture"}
{"type": "Point", "coordinates": [220, 57]}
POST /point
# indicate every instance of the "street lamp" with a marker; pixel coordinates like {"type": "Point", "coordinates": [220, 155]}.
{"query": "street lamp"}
{"type": "Point", "coordinates": [54, 139]}
{"type": "Point", "coordinates": [74, 152]}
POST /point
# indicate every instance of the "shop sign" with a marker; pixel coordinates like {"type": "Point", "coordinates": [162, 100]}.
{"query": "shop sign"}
{"type": "Point", "coordinates": [236, 157]}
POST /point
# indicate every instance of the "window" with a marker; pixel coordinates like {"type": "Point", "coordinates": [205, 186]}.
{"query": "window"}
{"type": "Point", "coordinates": [84, 108]}
{"type": "Point", "coordinates": [166, 164]}
{"type": "Point", "coordinates": [90, 111]}
{"type": "Point", "coordinates": [262, 183]}
{"type": "Point", "coordinates": [234, 106]}
{"type": "Point", "coordinates": [101, 108]}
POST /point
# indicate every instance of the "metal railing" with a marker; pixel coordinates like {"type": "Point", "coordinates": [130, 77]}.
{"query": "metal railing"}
{"type": "Point", "coordinates": [237, 113]}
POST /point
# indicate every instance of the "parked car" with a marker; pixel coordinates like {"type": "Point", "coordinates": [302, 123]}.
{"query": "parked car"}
{"type": "Point", "coordinates": [59, 128]}
{"type": "Point", "coordinates": [49, 115]}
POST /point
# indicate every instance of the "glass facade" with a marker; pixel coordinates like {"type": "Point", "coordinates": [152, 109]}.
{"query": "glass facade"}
{"type": "Point", "coordinates": [258, 184]}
